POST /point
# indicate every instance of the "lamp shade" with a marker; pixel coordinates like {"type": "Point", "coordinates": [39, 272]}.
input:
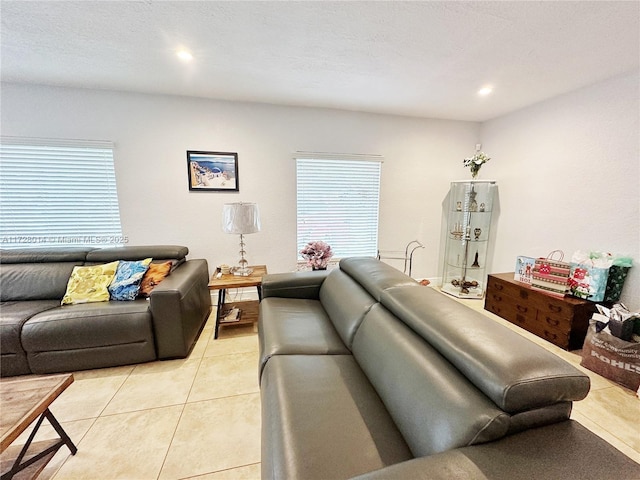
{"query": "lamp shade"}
{"type": "Point", "coordinates": [240, 218]}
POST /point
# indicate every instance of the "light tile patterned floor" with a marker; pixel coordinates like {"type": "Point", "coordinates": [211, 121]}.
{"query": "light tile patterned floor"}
{"type": "Point", "coordinates": [199, 418]}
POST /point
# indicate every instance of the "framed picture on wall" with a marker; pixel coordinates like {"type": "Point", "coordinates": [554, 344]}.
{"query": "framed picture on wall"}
{"type": "Point", "coordinates": [212, 171]}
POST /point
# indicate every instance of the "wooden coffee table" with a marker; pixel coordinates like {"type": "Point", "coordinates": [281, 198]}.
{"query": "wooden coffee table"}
{"type": "Point", "coordinates": [248, 308]}
{"type": "Point", "coordinates": [22, 401]}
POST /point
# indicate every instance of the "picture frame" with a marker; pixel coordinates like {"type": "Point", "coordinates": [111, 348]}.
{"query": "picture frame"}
{"type": "Point", "coordinates": [212, 171]}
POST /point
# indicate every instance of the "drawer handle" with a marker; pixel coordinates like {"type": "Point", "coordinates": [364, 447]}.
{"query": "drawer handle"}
{"type": "Point", "coordinates": [522, 309]}
{"type": "Point", "coordinates": [497, 298]}
{"type": "Point", "coordinates": [524, 294]}
{"type": "Point", "coordinates": [553, 321]}
{"type": "Point", "coordinates": [552, 336]}
{"type": "Point", "coordinates": [497, 286]}
{"type": "Point", "coordinates": [554, 308]}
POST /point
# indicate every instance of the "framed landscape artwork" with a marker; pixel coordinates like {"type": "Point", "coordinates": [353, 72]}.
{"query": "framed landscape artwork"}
{"type": "Point", "coordinates": [212, 171]}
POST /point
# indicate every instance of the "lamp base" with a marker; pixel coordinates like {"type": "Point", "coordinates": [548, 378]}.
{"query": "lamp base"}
{"type": "Point", "coordinates": [243, 271]}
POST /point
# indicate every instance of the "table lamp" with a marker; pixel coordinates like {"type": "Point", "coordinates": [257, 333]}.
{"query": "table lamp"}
{"type": "Point", "coordinates": [242, 218]}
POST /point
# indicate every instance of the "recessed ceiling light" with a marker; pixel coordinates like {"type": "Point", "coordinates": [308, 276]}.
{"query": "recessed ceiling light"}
{"type": "Point", "coordinates": [184, 55]}
{"type": "Point", "coordinates": [485, 91]}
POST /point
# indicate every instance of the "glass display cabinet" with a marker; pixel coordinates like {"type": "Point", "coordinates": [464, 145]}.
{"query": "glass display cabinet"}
{"type": "Point", "coordinates": [467, 238]}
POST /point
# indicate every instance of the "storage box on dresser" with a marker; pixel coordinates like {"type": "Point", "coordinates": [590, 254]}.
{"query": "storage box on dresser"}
{"type": "Point", "coordinates": [561, 321]}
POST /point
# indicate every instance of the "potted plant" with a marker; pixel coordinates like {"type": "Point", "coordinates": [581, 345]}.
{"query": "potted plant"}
{"type": "Point", "coordinates": [317, 254]}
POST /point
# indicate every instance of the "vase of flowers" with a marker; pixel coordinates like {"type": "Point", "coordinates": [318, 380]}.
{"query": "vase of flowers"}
{"type": "Point", "coordinates": [317, 254]}
{"type": "Point", "coordinates": [475, 162]}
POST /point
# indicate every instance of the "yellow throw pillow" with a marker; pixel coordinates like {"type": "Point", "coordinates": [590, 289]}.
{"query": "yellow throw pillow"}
{"type": "Point", "coordinates": [89, 284]}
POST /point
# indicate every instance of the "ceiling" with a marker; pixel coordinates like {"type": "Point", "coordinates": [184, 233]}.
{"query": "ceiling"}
{"type": "Point", "coordinates": [414, 58]}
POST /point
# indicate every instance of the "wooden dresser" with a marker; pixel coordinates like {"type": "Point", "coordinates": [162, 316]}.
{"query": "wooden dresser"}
{"type": "Point", "coordinates": [562, 321]}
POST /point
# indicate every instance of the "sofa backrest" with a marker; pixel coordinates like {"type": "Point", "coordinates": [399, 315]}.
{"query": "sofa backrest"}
{"type": "Point", "coordinates": [37, 273]}
{"type": "Point", "coordinates": [515, 373]}
{"type": "Point", "coordinates": [345, 302]}
{"type": "Point", "coordinates": [43, 273]}
{"type": "Point", "coordinates": [375, 276]}
{"type": "Point", "coordinates": [159, 253]}
{"type": "Point", "coordinates": [435, 407]}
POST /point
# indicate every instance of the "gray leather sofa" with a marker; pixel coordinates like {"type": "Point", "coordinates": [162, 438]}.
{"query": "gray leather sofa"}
{"type": "Point", "coordinates": [364, 373]}
{"type": "Point", "coordinates": [38, 335]}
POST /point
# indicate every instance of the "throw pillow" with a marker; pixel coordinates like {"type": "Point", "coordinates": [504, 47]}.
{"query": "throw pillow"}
{"type": "Point", "coordinates": [156, 273]}
{"type": "Point", "coordinates": [126, 283]}
{"type": "Point", "coordinates": [89, 284]}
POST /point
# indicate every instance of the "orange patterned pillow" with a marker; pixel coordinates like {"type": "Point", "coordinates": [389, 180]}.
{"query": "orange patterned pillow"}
{"type": "Point", "coordinates": [156, 273]}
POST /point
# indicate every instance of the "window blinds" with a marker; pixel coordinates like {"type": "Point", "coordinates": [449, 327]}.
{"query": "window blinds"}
{"type": "Point", "coordinates": [57, 193]}
{"type": "Point", "coordinates": [338, 202]}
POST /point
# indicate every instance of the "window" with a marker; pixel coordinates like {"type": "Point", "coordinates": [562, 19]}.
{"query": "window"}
{"type": "Point", "coordinates": [338, 202]}
{"type": "Point", "coordinates": [57, 193]}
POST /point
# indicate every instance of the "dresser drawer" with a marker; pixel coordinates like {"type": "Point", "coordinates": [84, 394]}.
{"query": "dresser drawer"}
{"type": "Point", "coordinates": [512, 289]}
{"type": "Point", "coordinates": [553, 307]}
{"type": "Point", "coordinates": [527, 318]}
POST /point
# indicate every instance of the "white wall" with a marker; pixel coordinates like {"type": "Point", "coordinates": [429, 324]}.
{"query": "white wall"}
{"type": "Point", "coordinates": [568, 169]}
{"type": "Point", "coordinates": [569, 176]}
{"type": "Point", "coordinates": [152, 133]}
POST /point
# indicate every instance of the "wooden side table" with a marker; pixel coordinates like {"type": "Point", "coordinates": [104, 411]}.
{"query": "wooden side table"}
{"type": "Point", "coordinates": [248, 308]}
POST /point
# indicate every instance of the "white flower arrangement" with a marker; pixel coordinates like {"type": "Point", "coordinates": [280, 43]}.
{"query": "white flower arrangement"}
{"type": "Point", "coordinates": [476, 162]}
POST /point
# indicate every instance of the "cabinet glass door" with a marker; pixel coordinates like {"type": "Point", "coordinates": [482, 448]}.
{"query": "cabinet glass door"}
{"type": "Point", "coordinates": [468, 229]}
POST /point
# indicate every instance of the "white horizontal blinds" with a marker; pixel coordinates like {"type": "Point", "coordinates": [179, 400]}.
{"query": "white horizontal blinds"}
{"type": "Point", "coordinates": [57, 193]}
{"type": "Point", "coordinates": [338, 202]}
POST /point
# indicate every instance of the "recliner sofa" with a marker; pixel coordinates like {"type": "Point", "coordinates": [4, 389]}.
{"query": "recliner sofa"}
{"type": "Point", "coordinates": [366, 374]}
{"type": "Point", "coordinates": [39, 335]}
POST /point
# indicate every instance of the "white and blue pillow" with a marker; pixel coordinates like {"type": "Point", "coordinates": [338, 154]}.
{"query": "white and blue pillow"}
{"type": "Point", "coordinates": [126, 283]}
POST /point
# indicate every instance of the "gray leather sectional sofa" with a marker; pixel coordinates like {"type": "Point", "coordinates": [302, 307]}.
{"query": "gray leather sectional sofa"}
{"type": "Point", "coordinates": [366, 374]}
{"type": "Point", "coordinates": [38, 335]}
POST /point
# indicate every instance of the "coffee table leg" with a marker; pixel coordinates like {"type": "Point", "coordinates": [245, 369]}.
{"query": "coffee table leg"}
{"type": "Point", "coordinates": [63, 435]}
{"type": "Point", "coordinates": [19, 465]}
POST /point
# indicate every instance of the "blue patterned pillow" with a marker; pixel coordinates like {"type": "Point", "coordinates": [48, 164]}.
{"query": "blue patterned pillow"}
{"type": "Point", "coordinates": [126, 283]}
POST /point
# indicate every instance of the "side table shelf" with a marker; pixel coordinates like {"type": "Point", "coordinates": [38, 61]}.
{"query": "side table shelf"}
{"type": "Point", "coordinates": [248, 308]}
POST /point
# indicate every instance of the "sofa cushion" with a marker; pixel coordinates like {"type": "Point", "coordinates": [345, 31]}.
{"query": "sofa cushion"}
{"type": "Point", "coordinates": [374, 275]}
{"type": "Point", "coordinates": [90, 284]}
{"type": "Point", "coordinates": [322, 420]}
{"type": "Point", "coordinates": [89, 335]}
{"type": "Point", "coordinates": [289, 326]}
{"type": "Point", "coordinates": [514, 372]}
{"type": "Point", "coordinates": [126, 284]}
{"type": "Point", "coordinates": [35, 281]}
{"type": "Point", "coordinates": [346, 303]}
{"type": "Point", "coordinates": [13, 315]}
{"type": "Point", "coordinates": [566, 451]}
{"type": "Point", "coordinates": [403, 368]}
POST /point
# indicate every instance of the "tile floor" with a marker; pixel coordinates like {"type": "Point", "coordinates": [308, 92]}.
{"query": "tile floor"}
{"type": "Point", "coordinates": [199, 417]}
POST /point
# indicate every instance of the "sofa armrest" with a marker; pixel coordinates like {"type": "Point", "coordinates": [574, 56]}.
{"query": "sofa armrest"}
{"type": "Point", "coordinates": [293, 285]}
{"type": "Point", "coordinates": [180, 305]}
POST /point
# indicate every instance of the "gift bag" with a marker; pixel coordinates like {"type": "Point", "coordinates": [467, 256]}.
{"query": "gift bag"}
{"type": "Point", "coordinates": [524, 269]}
{"type": "Point", "coordinates": [617, 275]}
{"type": "Point", "coordinates": [589, 274]}
{"type": "Point", "coordinates": [612, 357]}
{"type": "Point", "coordinates": [551, 275]}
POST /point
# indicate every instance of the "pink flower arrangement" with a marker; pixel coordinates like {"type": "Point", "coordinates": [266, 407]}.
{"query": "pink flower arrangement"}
{"type": "Point", "coordinates": [317, 254]}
